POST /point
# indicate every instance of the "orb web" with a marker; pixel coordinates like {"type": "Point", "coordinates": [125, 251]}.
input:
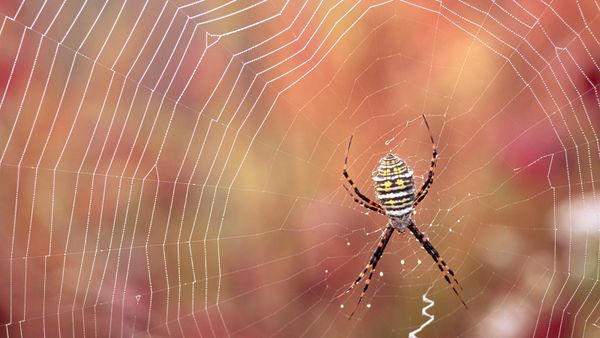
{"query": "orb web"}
{"type": "Point", "coordinates": [174, 168]}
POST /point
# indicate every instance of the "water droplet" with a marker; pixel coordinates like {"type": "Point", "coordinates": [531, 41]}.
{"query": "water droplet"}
{"type": "Point", "coordinates": [369, 306]}
{"type": "Point", "coordinates": [381, 274]}
{"type": "Point", "coordinates": [326, 271]}
{"type": "Point", "coordinates": [341, 306]}
{"type": "Point", "coordinates": [348, 243]}
{"type": "Point", "coordinates": [419, 261]}
{"type": "Point", "coordinates": [138, 297]}
{"type": "Point", "coordinates": [402, 261]}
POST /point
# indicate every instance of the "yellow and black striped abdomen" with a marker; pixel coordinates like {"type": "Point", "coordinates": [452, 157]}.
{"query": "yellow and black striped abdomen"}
{"type": "Point", "coordinates": [394, 186]}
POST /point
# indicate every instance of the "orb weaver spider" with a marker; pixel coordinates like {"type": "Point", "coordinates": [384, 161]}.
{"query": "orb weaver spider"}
{"type": "Point", "coordinates": [395, 189]}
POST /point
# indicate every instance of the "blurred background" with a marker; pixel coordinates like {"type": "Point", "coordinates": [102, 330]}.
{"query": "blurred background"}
{"type": "Point", "coordinates": [174, 168]}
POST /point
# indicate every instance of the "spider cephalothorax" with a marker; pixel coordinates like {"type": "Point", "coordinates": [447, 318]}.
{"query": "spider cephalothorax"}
{"type": "Point", "coordinates": [395, 188]}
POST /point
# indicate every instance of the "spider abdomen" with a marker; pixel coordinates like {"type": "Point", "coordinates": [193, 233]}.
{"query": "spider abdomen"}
{"type": "Point", "coordinates": [394, 186]}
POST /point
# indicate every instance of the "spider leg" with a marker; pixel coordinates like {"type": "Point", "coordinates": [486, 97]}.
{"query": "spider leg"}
{"type": "Point", "coordinates": [385, 238]}
{"type": "Point", "coordinates": [444, 268]}
{"type": "Point", "coordinates": [362, 196]}
{"type": "Point", "coordinates": [362, 203]}
{"type": "Point", "coordinates": [427, 184]}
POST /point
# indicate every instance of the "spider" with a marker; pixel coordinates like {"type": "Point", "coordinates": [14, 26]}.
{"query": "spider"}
{"type": "Point", "coordinates": [395, 189]}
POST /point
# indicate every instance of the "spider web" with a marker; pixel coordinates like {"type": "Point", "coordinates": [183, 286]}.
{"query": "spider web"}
{"type": "Point", "coordinates": [174, 168]}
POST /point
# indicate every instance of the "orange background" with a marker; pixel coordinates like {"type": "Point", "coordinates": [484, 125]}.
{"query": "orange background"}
{"type": "Point", "coordinates": [175, 168]}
